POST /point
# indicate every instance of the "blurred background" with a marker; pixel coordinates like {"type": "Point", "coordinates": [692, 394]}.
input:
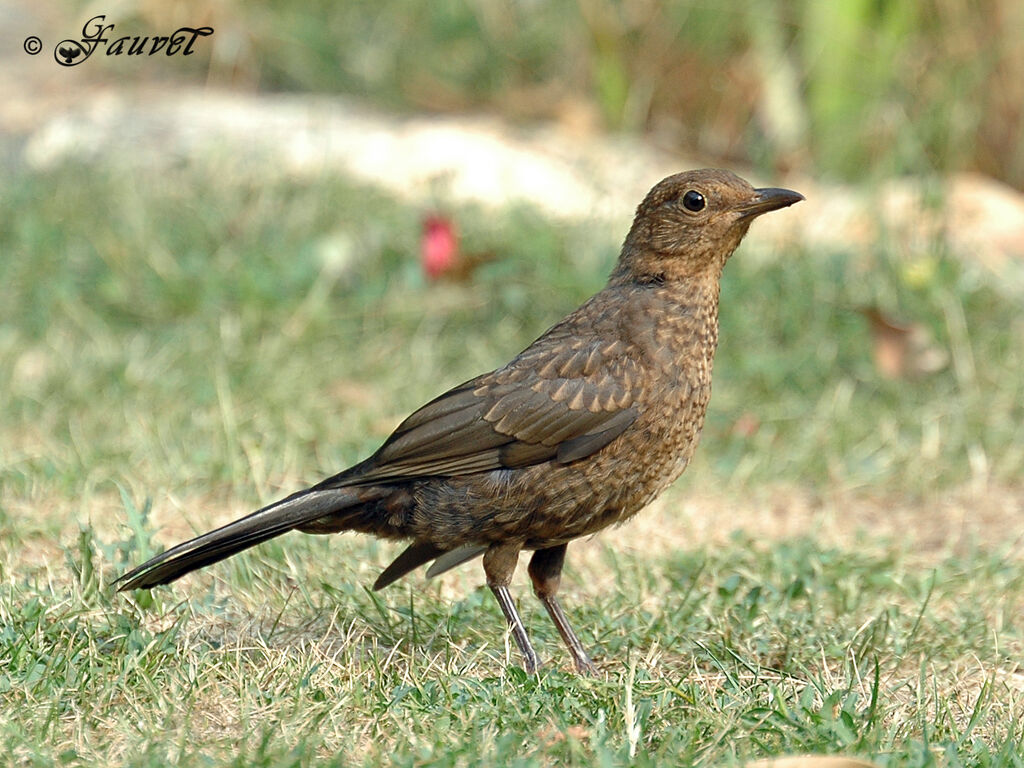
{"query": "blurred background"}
{"type": "Point", "coordinates": [851, 90]}
{"type": "Point", "coordinates": [226, 275]}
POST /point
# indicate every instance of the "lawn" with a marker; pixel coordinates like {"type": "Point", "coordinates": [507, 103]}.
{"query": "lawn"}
{"type": "Point", "coordinates": [839, 571]}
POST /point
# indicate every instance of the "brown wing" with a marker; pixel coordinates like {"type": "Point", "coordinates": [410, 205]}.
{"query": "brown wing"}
{"type": "Point", "coordinates": [560, 399]}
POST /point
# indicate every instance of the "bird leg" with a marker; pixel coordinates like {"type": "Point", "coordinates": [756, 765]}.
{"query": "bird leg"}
{"type": "Point", "coordinates": [499, 564]}
{"type": "Point", "coordinates": [546, 574]}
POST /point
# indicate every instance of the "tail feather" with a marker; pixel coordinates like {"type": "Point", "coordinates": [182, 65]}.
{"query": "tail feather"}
{"type": "Point", "coordinates": [253, 529]}
{"type": "Point", "coordinates": [415, 555]}
{"type": "Point", "coordinates": [454, 558]}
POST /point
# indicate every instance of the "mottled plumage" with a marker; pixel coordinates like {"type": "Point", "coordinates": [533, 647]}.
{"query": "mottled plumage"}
{"type": "Point", "coordinates": [579, 431]}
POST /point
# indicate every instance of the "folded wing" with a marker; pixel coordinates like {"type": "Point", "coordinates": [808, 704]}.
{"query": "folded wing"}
{"type": "Point", "coordinates": [557, 401]}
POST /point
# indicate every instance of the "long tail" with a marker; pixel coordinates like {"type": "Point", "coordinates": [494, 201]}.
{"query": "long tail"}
{"type": "Point", "coordinates": [261, 525]}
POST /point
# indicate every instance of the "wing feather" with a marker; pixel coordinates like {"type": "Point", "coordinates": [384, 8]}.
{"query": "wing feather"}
{"type": "Point", "coordinates": [561, 399]}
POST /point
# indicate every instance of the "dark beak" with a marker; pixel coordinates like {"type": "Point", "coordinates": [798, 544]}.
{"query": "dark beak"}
{"type": "Point", "coordinates": [769, 199]}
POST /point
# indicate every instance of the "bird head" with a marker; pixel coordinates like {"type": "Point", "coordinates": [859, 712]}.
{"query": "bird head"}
{"type": "Point", "coordinates": [690, 223]}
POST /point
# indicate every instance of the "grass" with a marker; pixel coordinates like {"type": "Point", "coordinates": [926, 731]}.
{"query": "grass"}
{"type": "Point", "coordinates": [175, 353]}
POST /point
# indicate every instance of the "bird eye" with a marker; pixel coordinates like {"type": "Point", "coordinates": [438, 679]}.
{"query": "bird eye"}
{"type": "Point", "coordinates": [693, 201]}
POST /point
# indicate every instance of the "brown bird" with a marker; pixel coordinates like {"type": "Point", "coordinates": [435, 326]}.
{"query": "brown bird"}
{"type": "Point", "coordinates": [579, 431]}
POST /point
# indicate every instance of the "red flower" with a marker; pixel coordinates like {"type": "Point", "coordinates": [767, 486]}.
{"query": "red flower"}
{"type": "Point", "coordinates": [439, 246]}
